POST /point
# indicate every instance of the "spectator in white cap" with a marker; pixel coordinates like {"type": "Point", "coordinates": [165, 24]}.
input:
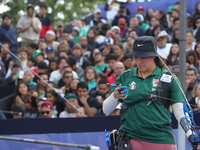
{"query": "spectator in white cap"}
{"type": "Point", "coordinates": [75, 34]}
{"type": "Point", "coordinates": [97, 17]}
{"type": "Point", "coordinates": [141, 22]}
{"type": "Point", "coordinates": [50, 39]}
{"type": "Point", "coordinates": [116, 30]}
{"type": "Point", "coordinates": [163, 48]}
{"type": "Point", "coordinates": [107, 44]}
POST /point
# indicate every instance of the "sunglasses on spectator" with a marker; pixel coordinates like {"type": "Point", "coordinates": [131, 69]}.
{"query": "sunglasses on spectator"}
{"type": "Point", "coordinates": [198, 22]}
{"type": "Point", "coordinates": [45, 112]}
{"type": "Point", "coordinates": [67, 77]}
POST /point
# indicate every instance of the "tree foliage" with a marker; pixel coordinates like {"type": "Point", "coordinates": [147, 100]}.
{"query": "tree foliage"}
{"type": "Point", "coordinates": [64, 10]}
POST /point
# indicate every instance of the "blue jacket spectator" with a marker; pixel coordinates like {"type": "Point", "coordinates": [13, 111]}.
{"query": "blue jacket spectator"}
{"type": "Point", "coordinates": [134, 24]}
{"type": "Point", "coordinates": [122, 13]}
{"type": "Point", "coordinates": [97, 18]}
{"type": "Point", "coordinates": [115, 21]}
{"type": "Point", "coordinates": [8, 33]}
{"type": "Point", "coordinates": [139, 30]}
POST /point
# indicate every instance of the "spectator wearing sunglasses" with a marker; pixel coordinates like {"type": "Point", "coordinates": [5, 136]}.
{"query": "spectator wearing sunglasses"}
{"type": "Point", "coordinates": [67, 79]}
{"type": "Point", "coordinates": [47, 110]}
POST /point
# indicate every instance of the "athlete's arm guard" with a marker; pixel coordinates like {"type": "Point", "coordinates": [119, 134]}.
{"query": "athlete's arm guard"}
{"type": "Point", "coordinates": [184, 124]}
{"type": "Point", "coordinates": [180, 117]}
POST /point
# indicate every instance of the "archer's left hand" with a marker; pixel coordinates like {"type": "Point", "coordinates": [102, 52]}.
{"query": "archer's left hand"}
{"type": "Point", "coordinates": [195, 145]}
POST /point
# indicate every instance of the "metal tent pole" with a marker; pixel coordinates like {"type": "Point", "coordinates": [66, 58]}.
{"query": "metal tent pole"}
{"type": "Point", "coordinates": [182, 64]}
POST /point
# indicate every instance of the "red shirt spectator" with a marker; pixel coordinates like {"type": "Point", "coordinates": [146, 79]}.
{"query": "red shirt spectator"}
{"type": "Point", "coordinates": [122, 25]}
{"type": "Point", "coordinates": [44, 19]}
{"type": "Point", "coordinates": [112, 78]}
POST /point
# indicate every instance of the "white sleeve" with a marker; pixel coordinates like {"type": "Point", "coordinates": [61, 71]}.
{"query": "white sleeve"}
{"type": "Point", "coordinates": [109, 104]}
{"type": "Point", "coordinates": [75, 75]}
{"type": "Point", "coordinates": [51, 78]}
{"type": "Point", "coordinates": [178, 113]}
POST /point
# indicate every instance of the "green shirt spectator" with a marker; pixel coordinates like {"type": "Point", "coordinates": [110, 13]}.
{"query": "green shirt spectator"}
{"type": "Point", "coordinates": [102, 67]}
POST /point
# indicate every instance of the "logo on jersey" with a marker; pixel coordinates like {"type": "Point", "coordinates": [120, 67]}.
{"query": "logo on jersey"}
{"type": "Point", "coordinates": [166, 78]}
{"type": "Point", "coordinates": [155, 82]}
{"type": "Point", "coordinates": [132, 85]}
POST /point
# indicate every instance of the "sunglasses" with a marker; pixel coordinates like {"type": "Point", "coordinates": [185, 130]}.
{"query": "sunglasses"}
{"type": "Point", "coordinates": [45, 112]}
{"type": "Point", "coordinates": [67, 77]}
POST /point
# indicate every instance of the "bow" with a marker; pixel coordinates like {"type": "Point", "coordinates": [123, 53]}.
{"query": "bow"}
{"type": "Point", "coordinates": [194, 138]}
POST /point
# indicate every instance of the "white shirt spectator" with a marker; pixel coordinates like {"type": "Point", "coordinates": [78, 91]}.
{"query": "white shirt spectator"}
{"type": "Point", "coordinates": [191, 48]}
{"type": "Point", "coordinates": [164, 51]}
{"type": "Point", "coordinates": [56, 76]}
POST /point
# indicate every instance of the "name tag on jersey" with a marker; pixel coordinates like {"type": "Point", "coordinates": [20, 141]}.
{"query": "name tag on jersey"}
{"type": "Point", "coordinates": [166, 78]}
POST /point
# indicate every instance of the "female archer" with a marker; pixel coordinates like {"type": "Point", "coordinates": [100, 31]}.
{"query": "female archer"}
{"type": "Point", "coordinates": [146, 121]}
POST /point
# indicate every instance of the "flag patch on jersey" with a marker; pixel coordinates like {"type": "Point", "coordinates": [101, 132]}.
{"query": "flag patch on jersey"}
{"type": "Point", "coordinates": [166, 78]}
{"type": "Point", "coordinates": [132, 85]}
{"type": "Point", "coordinates": [155, 82]}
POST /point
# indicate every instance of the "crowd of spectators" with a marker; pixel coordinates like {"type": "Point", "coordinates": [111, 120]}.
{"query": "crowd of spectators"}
{"type": "Point", "coordinates": [66, 74]}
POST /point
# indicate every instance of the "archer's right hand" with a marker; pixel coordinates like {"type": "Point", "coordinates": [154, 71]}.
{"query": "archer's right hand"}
{"type": "Point", "coordinates": [121, 92]}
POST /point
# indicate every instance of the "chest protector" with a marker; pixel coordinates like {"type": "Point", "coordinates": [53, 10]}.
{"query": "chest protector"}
{"type": "Point", "coordinates": [160, 94]}
{"type": "Point", "coordinates": [163, 91]}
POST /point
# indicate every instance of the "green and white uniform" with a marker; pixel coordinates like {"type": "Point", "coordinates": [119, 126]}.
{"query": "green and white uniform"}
{"type": "Point", "coordinates": [147, 123]}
